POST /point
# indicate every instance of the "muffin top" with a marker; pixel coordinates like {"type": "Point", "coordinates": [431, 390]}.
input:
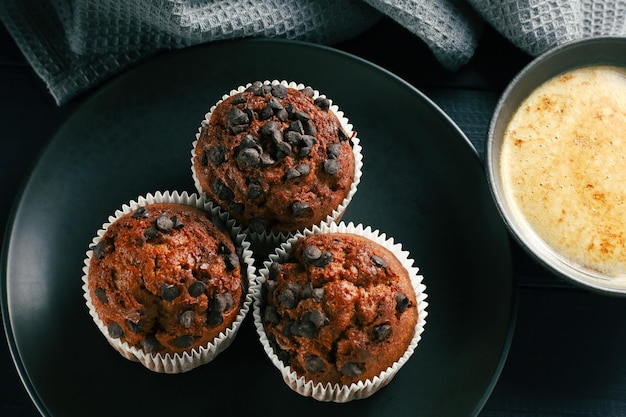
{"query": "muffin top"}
{"type": "Point", "coordinates": [165, 278]}
{"type": "Point", "coordinates": [341, 308]}
{"type": "Point", "coordinates": [275, 158]}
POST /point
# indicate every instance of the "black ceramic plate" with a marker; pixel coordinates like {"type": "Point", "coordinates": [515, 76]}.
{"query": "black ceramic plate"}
{"type": "Point", "coordinates": [423, 184]}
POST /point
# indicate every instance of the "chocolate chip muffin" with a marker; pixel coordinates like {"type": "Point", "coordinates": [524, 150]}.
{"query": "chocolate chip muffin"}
{"type": "Point", "coordinates": [338, 308]}
{"type": "Point", "coordinates": [277, 157]}
{"type": "Point", "coordinates": [166, 278]}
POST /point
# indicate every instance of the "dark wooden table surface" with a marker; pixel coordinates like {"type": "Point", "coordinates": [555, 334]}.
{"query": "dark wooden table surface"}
{"type": "Point", "coordinates": [568, 354]}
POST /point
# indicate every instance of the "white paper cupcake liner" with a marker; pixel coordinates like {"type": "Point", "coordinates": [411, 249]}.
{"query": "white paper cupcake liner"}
{"type": "Point", "coordinates": [337, 392]}
{"type": "Point", "coordinates": [186, 361]}
{"type": "Point", "coordinates": [337, 213]}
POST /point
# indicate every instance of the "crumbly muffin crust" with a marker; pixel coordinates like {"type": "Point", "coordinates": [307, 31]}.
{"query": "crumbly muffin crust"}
{"type": "Point", "coordinates": [164, 278]}
{"type": "Point", "coordinates": [340, 309]}
{"type": "Point", "coordinates": [275, 158]}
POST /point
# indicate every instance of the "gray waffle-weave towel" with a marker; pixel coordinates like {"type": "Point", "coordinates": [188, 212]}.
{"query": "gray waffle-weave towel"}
{"type": "Point", "coordinates": [76, 44]}
{"type": "Point", "coordinates": [538, 25]}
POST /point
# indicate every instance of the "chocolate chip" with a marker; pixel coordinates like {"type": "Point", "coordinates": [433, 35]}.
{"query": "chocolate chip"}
{"type": "Point", "coordinates": [215, 318]}
{"type": "Point", "coordinates": [287, 326]}
{"type": "Point", "coordinates": [308, 91]}
{"type": "Point", "coordinates": [216, 155]}
{"type": "Point", "coordinates": [238, 99]}
{"type": "Point", "coordinates": [235, 207]}
{"type": "Point", "coordinates": [169, 291]}
{"type": "Point", "coordinates": [221, 190]}
{"type": "Point", "coordinates": [249, 141]}
{"type": "Point", "coordinates": [322, 103]}
{"type": "Point", "coordinates": [257, 225]}
{"type": "Point", "coordinates": [150, 343]}
{"type": "Point", "coordinates": [283, 149]}
{"type": "Point", "coordinates": [269, 128]}
{"type": "Point", "coordinates": [304, 169]}
{"type": "Point", "coordinates": [351, 370]}
{"type": "Point", "coordinates": [196, 289]}
{"type": "Point", "coordinates": [99, 249]}
{"type": "Point", "coordinates": [317, 317]}
{"type": "Point", "coordinates": [265, 113]}
{"type": "Point", "coordinates": [292, 173]}
{"type": "Point", "coordinates": [282, 115]}
{"type": "Point", "coordinates": [274, 104]}
{"type": "Point", "coordinates": [310, 292]}
{"type": "Point", "coordinates": [275, 270]}
{"type": "Point", "coordinates": [115, 330]}
{"type": "Point", "coordinates": [343, 136]}
{"type": "Point", "coordinates": [300, 209]}
{"type": "Point", "coordinates": [141, 213]}
{"type": "Point", "coordinates": [254, 190]}
{"type": "Point", "coordinates": [177, 223]}
{"type": "Point", "coordinates": [283, 356]}
{"type": "Point", "coordinates": [276, 137]}
{"type": "Point", "coordinates": [292, 137]}
{"type": "Point", "coordinates": [290, 110]}
{"type": "Point", "coordinates": [402, 302]}
{"type": "Point", "coordinates": [270, 315]}
{"type": "Point", "coordinates": [331, 166]}
{"type": "Point", "coordinates": [324, 260]}
{"type": "Point", "coordinates": [269, 286]}
{"type": "Point", "coordinates": [279, 90]}
{"type": "Point", "coordinates": [305, 151]}
{"type": "Point", "coordinates": [151, 232]}
{"type": "Point", "coordinates": [256, 88]}
{"type": "Point", "coordinates": [238, 129]}
{"type": "Point", "coordinates": [308, 140]}
{"type": "Point", "coordinates": [249, 157]}
{"type": "Point", "coordinates": [232, 261]}
{"type": "Point", "coordinates": [186, 319]}
{"type": "Point", "coordinates": [267, 160]}
{"type": "Point", "coordinates": [314, 363]}
{"type": "Point", "coordinates": [309, 128]}
{"type": "Point", "coordinates": [164, 223]}
{"type": "Point", "coordinates": [318, 294]}
{"type": "Point", "coordinates": [134, 327]}
{"type": "Point", "coordinates": [223, 248]}
{"type": "Point", "coordinates": [237, 117]}
{"type": "Point", "coordinates": [221, 302]}
{"type": "Point", "coordinates": [301, 116]}
{"type": "Point", "coordinates": [296, 126]}
{"type": "Point", "coordinates": [250, 114]}
{"type": "Point", "coordinates": [184, 341]}
{"type": "Point", "coordinates": [378, 261]}
{"type": "Point", "coordinates": [289, 295]}
{"type": "Point", "coordinates": [333, 151]}
{"type": "Point", "coordinates": [311, 254]}
{"type": "Point", "coordinates": [303, 328]}
{"type": "Point", "coordinates": [102, 295]}
{"type": "Point", "coordinates": [382, 332]}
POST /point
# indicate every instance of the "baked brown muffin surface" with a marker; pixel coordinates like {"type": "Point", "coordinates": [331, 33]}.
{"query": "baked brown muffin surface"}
{"type": "Point", "coordinates": [340, 309]}
{"type": "Point", "coordinates": [274, 158]}
{"type": "Point", "coordinates": [165, 279]}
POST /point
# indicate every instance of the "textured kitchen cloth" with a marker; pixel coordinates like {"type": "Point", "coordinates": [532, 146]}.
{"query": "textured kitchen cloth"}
{"type": "Point", "coordinates": [538, 25]}
{"type": "Point", "coordinates": [76, 44]}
